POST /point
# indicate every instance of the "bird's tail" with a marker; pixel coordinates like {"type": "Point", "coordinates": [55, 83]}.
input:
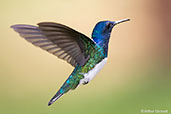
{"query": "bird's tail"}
{"type": "Point", "coordinates": [65, 88]}
{"type": "Point", "coordinates": [68, 85]}
{"type": "Point", "coordinates": [55, 97]}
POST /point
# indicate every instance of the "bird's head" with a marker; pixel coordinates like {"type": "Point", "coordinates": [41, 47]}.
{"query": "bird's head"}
{"type": "Point", "coordinates": [102, 30]}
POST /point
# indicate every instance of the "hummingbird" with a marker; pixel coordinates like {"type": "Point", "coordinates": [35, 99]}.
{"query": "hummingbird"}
{"type": "Point", "coordinates": [87, 55]}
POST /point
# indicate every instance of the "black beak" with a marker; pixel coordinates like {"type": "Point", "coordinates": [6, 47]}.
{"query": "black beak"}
{"type": "Point", "coordinates": [120, 21]}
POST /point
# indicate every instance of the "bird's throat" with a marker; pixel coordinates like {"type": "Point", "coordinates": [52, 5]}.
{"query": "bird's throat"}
{"type": "Point", "coordinates": [103, 43]}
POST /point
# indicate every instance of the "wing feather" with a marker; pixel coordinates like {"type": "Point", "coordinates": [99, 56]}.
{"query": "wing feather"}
{"type": "Point", "coordinates": [59, 40]}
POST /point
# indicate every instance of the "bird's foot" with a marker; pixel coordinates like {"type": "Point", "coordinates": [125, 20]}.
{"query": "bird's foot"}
{"type": "Point", "coordinates": [85, 82]}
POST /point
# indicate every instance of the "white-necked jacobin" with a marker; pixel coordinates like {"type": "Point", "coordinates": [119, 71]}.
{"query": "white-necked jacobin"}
{"type": "Point", "coordinates": [88, 56]}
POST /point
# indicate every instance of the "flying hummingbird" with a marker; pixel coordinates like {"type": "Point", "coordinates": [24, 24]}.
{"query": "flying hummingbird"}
{"type": "Point", "coordinates": [88, 56]}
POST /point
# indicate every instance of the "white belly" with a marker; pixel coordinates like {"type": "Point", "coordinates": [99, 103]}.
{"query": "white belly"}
{"type": "Point", "coordinates": [92, 73]}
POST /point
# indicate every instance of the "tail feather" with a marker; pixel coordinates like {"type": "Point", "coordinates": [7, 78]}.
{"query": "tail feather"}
{"type": "Point", "coordinates": [56, 97]}
{"type": "Point", "coordinates": [69, 84]}
{"type": "Point", "coordinates": [65, 88]}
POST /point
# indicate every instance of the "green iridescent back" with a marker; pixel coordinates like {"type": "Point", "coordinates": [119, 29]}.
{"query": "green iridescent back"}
{"type": "Point", "coordinates": [96, 55]}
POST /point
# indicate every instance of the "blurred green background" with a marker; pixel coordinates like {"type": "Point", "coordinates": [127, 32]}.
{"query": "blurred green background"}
{"type": "Point", "coordinates": [137, 75]}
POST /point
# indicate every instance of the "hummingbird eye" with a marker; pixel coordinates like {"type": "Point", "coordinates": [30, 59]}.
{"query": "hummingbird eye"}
{"type": "Point", "coordinates": [108, 25]}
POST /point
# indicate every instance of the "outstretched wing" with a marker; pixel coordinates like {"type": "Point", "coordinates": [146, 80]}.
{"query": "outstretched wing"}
{"type": "Point", "coordinates": [58, 39]}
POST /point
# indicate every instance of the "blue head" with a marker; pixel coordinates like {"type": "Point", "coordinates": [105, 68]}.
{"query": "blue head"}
{"type": "Point", "coordinates": [101, 32]}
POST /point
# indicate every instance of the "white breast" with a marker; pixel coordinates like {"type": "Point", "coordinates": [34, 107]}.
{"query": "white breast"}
{"type": "Point", "coordinates": [92, 73]}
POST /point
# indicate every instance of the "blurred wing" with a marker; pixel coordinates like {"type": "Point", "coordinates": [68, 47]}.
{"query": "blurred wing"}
{"type": "Point", "coordinates": [58, 39]}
